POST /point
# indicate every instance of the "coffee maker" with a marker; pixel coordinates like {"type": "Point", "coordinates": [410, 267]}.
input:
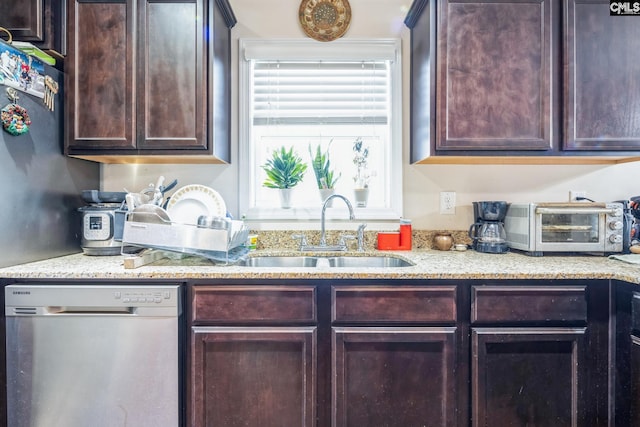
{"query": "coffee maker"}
{"type": "Point", "coordinates": [487, 232]}
{"type": "Point", "coordinates": [631, 222]}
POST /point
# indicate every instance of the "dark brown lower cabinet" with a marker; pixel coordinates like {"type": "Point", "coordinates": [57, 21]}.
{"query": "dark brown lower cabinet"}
{"type": "Point", "coordinates": [394, 377]}
{"type": "Point", "coordinates": [411, 353]}
{"type": "Point", "coordinates": [634, 395]}
{"type": "Point", "coordinates": [396, 355]}
{"type": "Point", "coordinates": [261, 377]}
{"type": "Point", "coordinates": [539, 354]}
{"type": "Point", "coordinates": [532, 377]}
{"type": "Point", "coordinates": [254, 354]}
{"type": "Point", "coordinates": [626, 375]}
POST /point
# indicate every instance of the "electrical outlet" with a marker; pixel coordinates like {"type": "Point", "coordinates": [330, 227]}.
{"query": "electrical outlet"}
{"type": "Point", "coordinates": [447, 202]}
{"type": "Point", "coordinates": [575, 194]}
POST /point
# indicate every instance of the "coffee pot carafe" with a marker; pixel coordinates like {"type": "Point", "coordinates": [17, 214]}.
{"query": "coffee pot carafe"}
{"type": "Point", "coordinates": [487, 232]}
{"type": "Point", "coordinates": [492, 232]}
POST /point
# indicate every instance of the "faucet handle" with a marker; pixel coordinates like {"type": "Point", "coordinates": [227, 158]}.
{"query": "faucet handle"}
{"type": "Point", "coordinates": [361, 228]}
{"type": "Point", "coordinates": [302, 238]}
{"type": "Point", "coordinates": [344, 238]}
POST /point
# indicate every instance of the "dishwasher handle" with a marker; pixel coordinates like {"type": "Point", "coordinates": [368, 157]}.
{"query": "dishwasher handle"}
{"type": "Point", "coordinates": [99, 310]}
{"type": "Point", "coordinates": [92, 311]}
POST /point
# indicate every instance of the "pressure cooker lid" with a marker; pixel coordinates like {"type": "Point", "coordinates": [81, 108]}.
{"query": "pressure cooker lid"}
{"type": "Point", "coordinates": [96, 196]}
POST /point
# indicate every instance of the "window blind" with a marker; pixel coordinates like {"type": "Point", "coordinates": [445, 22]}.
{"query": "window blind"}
{"type": "Point", "coordinates": [320, 92]}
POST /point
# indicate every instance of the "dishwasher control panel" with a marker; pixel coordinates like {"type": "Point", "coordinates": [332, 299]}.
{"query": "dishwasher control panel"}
{"type": "Point", "coordinates": [87, 299]}
{"type": "Point", "coordinates": [156, 297]}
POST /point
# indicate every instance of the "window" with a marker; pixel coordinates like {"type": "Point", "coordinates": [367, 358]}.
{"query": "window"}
{"type": "Point", "coordinates": [302, 94]}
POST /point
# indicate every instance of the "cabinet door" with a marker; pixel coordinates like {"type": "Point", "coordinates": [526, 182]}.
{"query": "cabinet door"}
{"type": "Point", "coordinates": [394, 377]}
{"type": "Point", "coordinates": [531, 376]}
{"type": "Point", "coordinates": [137, 78]}
{"type": "Point", "coordinates": [421, 19]}
{"type": "Point", "coordinates": [495, 61]}
{"type": "Point", "coordinates": [171, 75]}
{"type": "Point", "coordinates": [24, 18]}
{"type": "Point", "coordinates": [630, 375]}
{"type": "Point", "coordinates": [100, 79]}
{"type": "Point", "coordinates": [602, 109]}
{"type": "Point", "coordinates": [221, 20]}
{"type": "Point", "coordinates": [41, 22]}
{"type": "Point", "coordinates": [253, 377]}
{"type": "Point", "coordinates": [634, 397]}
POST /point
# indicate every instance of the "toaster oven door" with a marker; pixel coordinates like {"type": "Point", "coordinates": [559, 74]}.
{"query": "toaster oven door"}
{"type": "Point", "coordinates": [570, 229]}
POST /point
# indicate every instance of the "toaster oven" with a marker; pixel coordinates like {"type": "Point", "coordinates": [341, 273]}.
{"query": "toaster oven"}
{"type": "Point", "coordinates": [579, 227]}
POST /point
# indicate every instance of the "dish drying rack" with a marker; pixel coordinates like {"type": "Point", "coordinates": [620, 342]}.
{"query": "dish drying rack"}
{"type": "Point", "coordinates": [226, 246]}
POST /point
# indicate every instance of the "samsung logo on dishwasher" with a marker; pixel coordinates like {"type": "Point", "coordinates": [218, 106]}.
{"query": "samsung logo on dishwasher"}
{"type": "Point", "coordinates": [619, 8]}
{"type": "Point", "coordinates": [21, 292]}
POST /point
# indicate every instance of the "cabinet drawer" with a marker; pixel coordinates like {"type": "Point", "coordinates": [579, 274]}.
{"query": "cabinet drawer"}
{"type": "Point", "coordinates": [397, 304]}
{"type": "Point", "coordinates": [522, 304]}
{"type": "Point", "coordinates": [253, 304]}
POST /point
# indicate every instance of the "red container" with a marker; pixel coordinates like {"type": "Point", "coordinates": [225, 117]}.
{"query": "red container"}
{"type": "Point", "coordinates": [388, 241]}
{"type": "Point", "coordinates": [405, 235]}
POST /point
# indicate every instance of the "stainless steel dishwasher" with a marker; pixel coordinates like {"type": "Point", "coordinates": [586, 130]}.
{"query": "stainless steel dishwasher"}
{"type": "Point", "coordinates": [93, 355]}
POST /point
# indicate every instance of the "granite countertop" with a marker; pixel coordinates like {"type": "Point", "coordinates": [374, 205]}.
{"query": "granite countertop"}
{"type": "Point", "coordinates": [430, 264]}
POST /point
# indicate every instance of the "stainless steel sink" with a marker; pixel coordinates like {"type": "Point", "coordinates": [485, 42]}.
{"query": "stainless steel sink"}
{"type": "Point", "coordinates": [280, 261]}
{"type": "Point", "coordinates": [326, 261]}
{"type": "Point", "coordinates": [368, 261]}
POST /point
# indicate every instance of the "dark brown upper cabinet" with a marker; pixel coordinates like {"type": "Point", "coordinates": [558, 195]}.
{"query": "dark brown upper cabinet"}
{"type": "Point", "coordinates": [23, 18]}
{"type": "Point", "coordinates": [41, 22]}
{"type": "Point", "coordinates": [602, 66]}
{"type": "Point", "coordinates": [494, 76]}
{"type": "Point", "coordinates": [148, 80]}
{"type": "Point", "coordinates": [523, 79]}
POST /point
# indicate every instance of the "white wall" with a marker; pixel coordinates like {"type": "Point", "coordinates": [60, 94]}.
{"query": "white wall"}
{"type": "Point", "coordinates": [422, 183]}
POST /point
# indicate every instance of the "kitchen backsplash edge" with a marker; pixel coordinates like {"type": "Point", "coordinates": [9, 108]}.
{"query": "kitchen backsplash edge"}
{"type": "Point", "coordinates": [283, 239]}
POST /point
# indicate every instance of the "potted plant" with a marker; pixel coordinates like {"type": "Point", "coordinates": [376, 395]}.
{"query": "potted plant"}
{"type": "Point", "coordinates": [363, 175]}
{"type": "Point", "coordinates": [285, 169]}
{"type": "Point", "coordinates": [325, 177]}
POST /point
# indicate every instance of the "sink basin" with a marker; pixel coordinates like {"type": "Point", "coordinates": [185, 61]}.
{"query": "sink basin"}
{"type": "Point", "coordinates": [280, 261]}
{"type": "Point", "coordinates": [326, 261]}
{"type": "Point", "coordinates": [368, 261]}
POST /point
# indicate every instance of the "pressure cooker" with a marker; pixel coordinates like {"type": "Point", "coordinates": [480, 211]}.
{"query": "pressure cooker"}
{"type": "Point", "coordinates": [102, 222]}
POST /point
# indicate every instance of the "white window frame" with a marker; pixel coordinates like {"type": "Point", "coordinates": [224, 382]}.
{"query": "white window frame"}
{"type": "Point", "coordinates": [369, 49]}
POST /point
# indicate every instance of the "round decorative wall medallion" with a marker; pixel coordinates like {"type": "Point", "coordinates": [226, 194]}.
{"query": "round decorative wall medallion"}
{"type": "Point", "coordinates": [325, 20]}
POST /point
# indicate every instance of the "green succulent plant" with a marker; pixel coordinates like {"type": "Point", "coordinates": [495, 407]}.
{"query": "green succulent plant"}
{"type": "Point", "coordinates": [325, 177]}
{"type": "Point", "coordinates": [285, 169]}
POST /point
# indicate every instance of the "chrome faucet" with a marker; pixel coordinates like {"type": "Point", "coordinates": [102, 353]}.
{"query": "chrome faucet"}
{"type": "Point", "coordinates": [352, 216]}
{"type": "Point", "coordinates": [342, 244]}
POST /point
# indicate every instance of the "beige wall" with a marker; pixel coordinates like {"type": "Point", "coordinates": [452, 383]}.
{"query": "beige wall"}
{"type": "Point", "coordinates": [422, 183]}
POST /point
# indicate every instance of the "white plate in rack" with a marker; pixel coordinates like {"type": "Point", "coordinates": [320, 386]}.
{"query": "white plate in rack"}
{"type": "Point", "coordinates": [192, 201]}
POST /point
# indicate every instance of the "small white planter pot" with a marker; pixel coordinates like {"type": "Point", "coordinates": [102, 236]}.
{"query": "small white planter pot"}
{"type": "Point", "coordinates": [361, 196]}
{"type": "Point", "coordinates": [285, 197]}
{"type": "Point", "coordinates": [325, 193]}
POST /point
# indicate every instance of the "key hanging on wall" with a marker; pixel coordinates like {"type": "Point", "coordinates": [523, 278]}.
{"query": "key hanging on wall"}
{"type": "Point", "coordinates": [50, 90]}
